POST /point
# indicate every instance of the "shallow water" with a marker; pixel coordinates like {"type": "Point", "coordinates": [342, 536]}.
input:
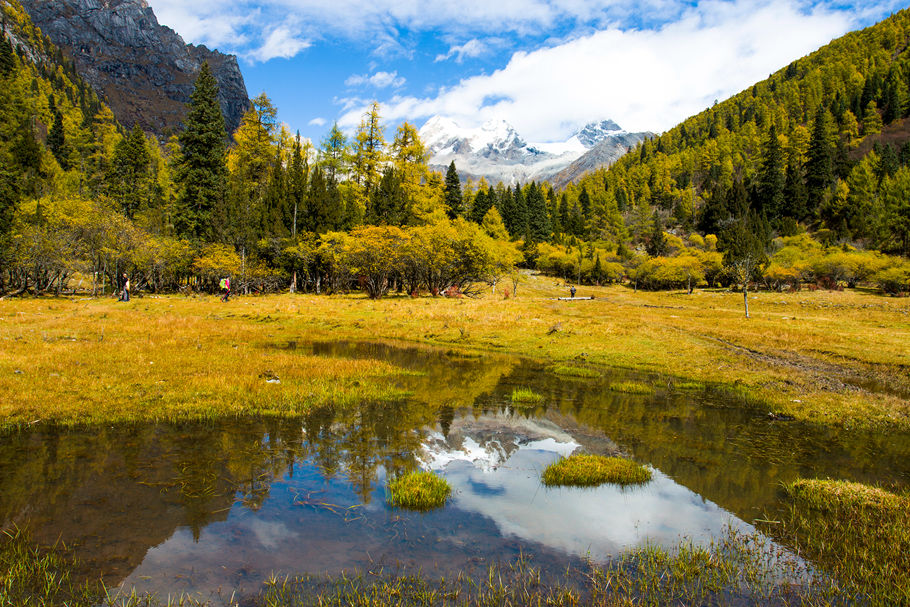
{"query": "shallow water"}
{"type": "Point", "coordinates": [213, 506]}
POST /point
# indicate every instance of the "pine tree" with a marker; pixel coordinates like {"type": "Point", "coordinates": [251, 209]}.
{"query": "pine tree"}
{"type": "Point", "coordinates": [298, 174]}
{"type": "Point", "coordinates": [519, 213]}
{"type": "Point", "coordinates": [453, 196]}
{"type": "Point", "coordinates": [538, 216]}
{"type": "Point", "coordinates": [820, 162]}
{"type": "Point", "coordinates": [872, 120]}
{"type": "Point", "coordinates": [56, 141]}
{"type": "Point", "coordinates": [333, 154]}
{"type": "Point", "coordinates": [7, 56]}
{"type": "Point", "coordinates": [483, 202]}
{"type": "Point", "coordinates": [771, 177]}
{"type": "Point", "coordinates": [657, 242]}
{"type": "Point", "coordinates": [129, 179]}
{"type": "Point", "coordinates": [795, 195]}
{"type": "Point", "coordinates": [201, 176]}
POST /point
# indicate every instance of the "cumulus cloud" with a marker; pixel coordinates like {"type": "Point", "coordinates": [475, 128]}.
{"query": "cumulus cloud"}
{"type": "Point", "coordinates": [643, 79]}
{"type": "Point", "coordinates": [471, 49]}
{"type": "Point", "coordinates": [318, 122]}
{"type": "Point", "coordinates": [281, 42]}
{"type": "Point", "coordinates": [379, 80]}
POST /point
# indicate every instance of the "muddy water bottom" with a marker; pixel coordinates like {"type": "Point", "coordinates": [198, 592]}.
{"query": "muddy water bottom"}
{"type": "Point", "coordinates": [216, 507]}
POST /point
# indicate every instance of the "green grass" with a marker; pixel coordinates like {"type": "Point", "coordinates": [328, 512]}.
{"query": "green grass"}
{"type": "Point", "coordinates": [525, 396]}
{"type": "Point", "coordinates": [590, 470]}
{"type": "Point", "coordinates": [418, 491]}
{"type": "Point", "coordinates": [689, 385]}
{"type": "Point", "coordinates": [570, 371]}
{"type": "Point", "coordinates": [631, 387]}
{"type": "Point", "coordinates": [858, 533]}
{"type": "Point", "coordinates": [735, 569]}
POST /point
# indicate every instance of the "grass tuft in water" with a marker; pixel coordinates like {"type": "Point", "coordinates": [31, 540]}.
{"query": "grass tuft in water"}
{"type": "Point", "coordinates": [590, 470]}
{"type": "Point", "coordinates": [525, 395]}
{"type": "Point", "coordinates": [571, 371]}
{"type": "Point", "coordinates": [857, 533]}
{"type": "Point", "coordinates": [418, 491]}
{"type": "Point", "coordinates": [689, 385]}
{"type": "Point", "coordinates": [632, 387]}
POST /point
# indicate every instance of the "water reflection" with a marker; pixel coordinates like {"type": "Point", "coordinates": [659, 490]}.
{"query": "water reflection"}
{"type": "Point", "coordinates": [223, 504]}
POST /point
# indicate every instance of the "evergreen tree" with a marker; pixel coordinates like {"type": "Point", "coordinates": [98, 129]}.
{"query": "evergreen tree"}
{"type": "Point", "coordinates": [519, 213]}
{"type": "Point", "coordinates": [56, 141]}
{"type": "Point", "coordinates": [820, 163]}
{"type": "Point", "coordinates": [872, 120]}
{"type": "Point", "coordinates": [483, 202]}
{"type": "Point", "coordinates": [129, 179]}
{"type": "Point", "coordinates": [538, 216]}
{"type": "Point", "coordinates": [7, 57]}
{"type": "Point", "coordinates": [771, 177]}
{"type": "Point", "coordinates": [657, 242]}
{"type": "Point", "coordinates": [795, 195]}
{"type": "Point", "coordinates": [201, 176]}
{"type": "Point", "coordinates": [388, 201]}
{"type": "Point", "coordinates": [333, 153]}
{"type": "Point", "coordinates": [585, 200]}
{"type": "Point", "coordinates": [298, 174]}
{"type": "Point", "coordinates": [453, 196]}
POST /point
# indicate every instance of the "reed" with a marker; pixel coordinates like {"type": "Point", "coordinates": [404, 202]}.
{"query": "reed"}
{"type": "Point", "coordinates": [583, 470]}
{"type": "Point", "coordinates": [418, 491]}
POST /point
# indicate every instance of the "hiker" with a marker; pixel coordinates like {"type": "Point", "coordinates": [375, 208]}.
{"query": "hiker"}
{"type": "Point", "coordinates": [226, 287]}
{"type": "Point", "coordinates": [572, 291]}
{"type": "Point", "coordinates": [125, 294]}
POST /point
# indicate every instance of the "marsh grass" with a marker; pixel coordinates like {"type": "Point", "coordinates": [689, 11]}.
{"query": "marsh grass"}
{"type": "Point", "coordinates": [573, 371]}
{"type": "Point", "coordinates": [689, 385]}
{"type": "Point", "coordinates": [525, 396]}
{"type": "Point", "coordinates": [418, 491]}
{"type": "Point", "coordinates": [858, 533]}
{"type": "Point", "coordinates": [735, 569]}
{"type": "Point", "coordinates": [582, 470]}
{"type": "Point", "coordinates": [632, 387]}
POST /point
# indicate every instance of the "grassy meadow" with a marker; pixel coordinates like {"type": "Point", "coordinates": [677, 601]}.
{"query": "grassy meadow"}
{"type": "Point", "coordinates": [836, 358]}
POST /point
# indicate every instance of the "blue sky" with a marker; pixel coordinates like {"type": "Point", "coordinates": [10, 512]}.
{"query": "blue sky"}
{"type": "Point", "coordinates": [546, 66]}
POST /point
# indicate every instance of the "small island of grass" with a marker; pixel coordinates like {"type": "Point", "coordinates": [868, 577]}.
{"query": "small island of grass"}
{"type": "Point", "coordinates": [632, 387]}
{"type": "Point", "coordinates": [591, 470]}
{"type": "Point", "coordinates": [525, 396]}
{"type": "Point", "coordinates": [418, 491]}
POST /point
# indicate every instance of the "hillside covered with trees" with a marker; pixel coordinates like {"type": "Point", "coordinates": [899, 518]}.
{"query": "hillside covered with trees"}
{"type": "Point", "coordinates": [802, 178]}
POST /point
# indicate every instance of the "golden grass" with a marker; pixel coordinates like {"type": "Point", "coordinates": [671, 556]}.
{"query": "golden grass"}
{"type": "Point", "coordinates": [418, 491]}
{"type": "Point", "coordinates": [837, 358]}
{"type": "Point", "coordinates": [857, 532]}
{"type": "Point", "coordinates": [525, 396]}
{"type": "Point", "coordinates": [582, 470]}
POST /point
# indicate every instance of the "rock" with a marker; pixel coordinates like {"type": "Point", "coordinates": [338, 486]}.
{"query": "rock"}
{"type": "Point", "coordinates": [144, 71]}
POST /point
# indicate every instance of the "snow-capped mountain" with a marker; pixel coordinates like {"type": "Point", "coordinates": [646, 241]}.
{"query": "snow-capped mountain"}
{"type": "Point", "coordinates": [497, 152]}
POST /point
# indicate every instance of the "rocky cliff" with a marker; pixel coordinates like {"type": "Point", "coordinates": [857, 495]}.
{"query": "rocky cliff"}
{"type": "Point", "coordinates": [143, 70]}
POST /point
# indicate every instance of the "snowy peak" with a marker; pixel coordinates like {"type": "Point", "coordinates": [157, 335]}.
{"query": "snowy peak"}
{"type": "Point", "coordinates": [497, 152]}
{"type": "Point", "coordinates": [595, 132]}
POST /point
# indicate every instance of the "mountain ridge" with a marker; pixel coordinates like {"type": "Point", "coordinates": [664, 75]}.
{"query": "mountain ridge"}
{"type": "Point", "coordinates": [495, 151]}
{"type": "Point", "coordinates": [122, 51]}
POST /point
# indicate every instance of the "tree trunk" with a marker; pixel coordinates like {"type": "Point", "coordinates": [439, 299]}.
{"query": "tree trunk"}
{"type": "Point", "coordinates": [746, 297]}
{"type": "Point", "coordinates": [294, 281]}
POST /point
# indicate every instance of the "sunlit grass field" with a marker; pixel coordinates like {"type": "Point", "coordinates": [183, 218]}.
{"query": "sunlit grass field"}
{"type": "Point", "coordinates": [838, 358]}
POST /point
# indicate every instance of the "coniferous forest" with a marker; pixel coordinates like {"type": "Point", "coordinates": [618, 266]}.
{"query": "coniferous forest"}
{"type": "Point", "coordinates": [802, 179]}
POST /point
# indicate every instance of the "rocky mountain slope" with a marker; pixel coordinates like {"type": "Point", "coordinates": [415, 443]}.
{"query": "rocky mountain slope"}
{"type": "Point", "coordinates": [496, 152]}
{"type": "Point", "coordinates": [143, 70]}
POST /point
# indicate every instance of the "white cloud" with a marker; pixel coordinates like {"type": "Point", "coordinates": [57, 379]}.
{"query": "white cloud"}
{"type": "Point", "coordinates": [643, 79]}
{"type": "Point", "coordinates": [318, 122]}
{"type": "Point", "coordinates": [471, 49]}
{"type": "Point", "coordinates": [378, 80]}
{"type": "Point", "coordinates": [281, 42]}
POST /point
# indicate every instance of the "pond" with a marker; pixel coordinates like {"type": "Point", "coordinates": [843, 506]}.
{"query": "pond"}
{"type": "Point", "coordinates": [205, 507]}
